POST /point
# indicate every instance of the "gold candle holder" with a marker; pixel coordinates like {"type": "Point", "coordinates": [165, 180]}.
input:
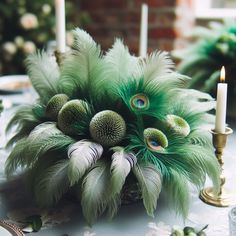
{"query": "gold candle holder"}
{"type": "Point", "coordinates": [223, 197]}
{"type": "Point", "coordinates": [59, 57]}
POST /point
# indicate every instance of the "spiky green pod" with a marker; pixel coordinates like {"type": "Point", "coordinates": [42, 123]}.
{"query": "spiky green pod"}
{"type": "Point", "coordinates": [155, 139]}
{"type": "Point", "coordinates": [178, 124]}
{"type": "Point", "coordinates": [54, 105]}
{"type": "Point", "coordinates": [107, 128]}
{"type": "Point", "coordinates": [71, 112]}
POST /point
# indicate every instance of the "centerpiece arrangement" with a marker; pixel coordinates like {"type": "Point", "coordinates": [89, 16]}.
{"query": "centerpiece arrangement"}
{"type": "Point", "coordinates": [106, 125]}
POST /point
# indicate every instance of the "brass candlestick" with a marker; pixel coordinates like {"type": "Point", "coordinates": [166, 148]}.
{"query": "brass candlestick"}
{"type": "Point", "coordinates": [223, 197]}
{"type": "Point", "coordinates": [59, 57]}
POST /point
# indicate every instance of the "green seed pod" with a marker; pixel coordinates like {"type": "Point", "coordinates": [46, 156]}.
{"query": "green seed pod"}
{"type": "Point", "coordinates": [188, 230]}
{"type": "Point", "coordinates": [139, 102]}
{"type": "Point", "coordinates": [54, 106]}
{"type": "Point", "coordinates": [107, 128]}
{"type": "Point", "coordinates": [155, 139]}
{"type": "Point", "coordinates": [72, 112]}
{"type": "Point", "coordinates": [178, 124]}
{"type": "Point", "coordinates": [178, 232]}
{"type": "Point", "coordinates": [192, 234]}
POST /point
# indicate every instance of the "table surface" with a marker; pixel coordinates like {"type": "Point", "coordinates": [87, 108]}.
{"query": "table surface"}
{"type": "Point", "coordinates": [15, 202]}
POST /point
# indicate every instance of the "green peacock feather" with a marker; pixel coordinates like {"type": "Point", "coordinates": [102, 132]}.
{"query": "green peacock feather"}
{"type": "Point", "coordinates": [106, 123]}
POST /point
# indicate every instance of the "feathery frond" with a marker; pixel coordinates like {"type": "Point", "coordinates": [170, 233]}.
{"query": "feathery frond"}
{"type": "Point", "coordinates": [16, 158]}
{"type": "Point", "coordinates": [82, 155]}
{"type": "Point", "coordinates": [82, 69]}
{"type": "Point", "coordinates": [44, 75]}
{"type": "Point", "coordinates": [95, 193]}
{"type": "Point", "coordinates": [150, 181]}
{"type": "Point", "coordinates": [52, 184]}
{"type": "Point", "coordinates": [120, 65]}
{"type": "Point", "coordinates": [177, 192]}
{"type": "Point", "coordinates": [37, 139]}
{"type": "Point", "coordinates": [156, 65]}
{"type": "Point", "coordinates": [121, 165]}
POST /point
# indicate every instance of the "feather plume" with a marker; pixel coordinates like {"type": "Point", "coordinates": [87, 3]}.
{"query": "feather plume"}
{"type": "Point", "coordinates": [121, 165]}
{"type": "Point", "coordinates": [156, 65]}
{"type": "Point", "coordinates": [197, 101]}
{"type": "Point", "coordinates": [120, 65]}
{"type": "Point", "coordinates": [44, 74]}
{"type": "Point", "coordinates": [16, 158]}
{"type": "Point", "coordinates": [52, 184]}
{"type": "Point", "coordinates": [82, 69]}
{"type": "Point", "coordinates": [177, 192]}
{"type": "Point", "coordinates": [37, 139]}
{"type": "Point", "coordinates": [25, 114]}
{"type": "Point", "coordinates": [82, 155]}
{"type": "Point", "coordinates": [95, 193]}
{"type": "Point", "coordinates": [150, 181]}
{"type": "Point", "coordinates": [57, 142]}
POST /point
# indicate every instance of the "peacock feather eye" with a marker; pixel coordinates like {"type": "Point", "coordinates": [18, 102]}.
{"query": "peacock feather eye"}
{"type": "Point", "coordinates": [178, 124]}
{"type": "Point", "coordinates": [155, 139]}
{"type": "Point", "coordinates": [107, 128]}
{"type": "Point", "coordinates": [139, 102]}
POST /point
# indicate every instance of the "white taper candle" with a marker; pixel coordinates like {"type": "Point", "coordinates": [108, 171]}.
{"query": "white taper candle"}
{"type": "Point", "coordinates": [143, 41]}
{"type": "Point", "coordinates": [221, 104]}
{"type": "Point", "coordinates": [60, 25]}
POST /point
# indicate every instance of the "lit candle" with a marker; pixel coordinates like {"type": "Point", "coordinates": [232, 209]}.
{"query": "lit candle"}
{"type": "Point", "coordinates": [221, 103]}
{"type": "Point", "coordinates": [60, 25]}
{"type": "Point", "coordinates": [143, 31]}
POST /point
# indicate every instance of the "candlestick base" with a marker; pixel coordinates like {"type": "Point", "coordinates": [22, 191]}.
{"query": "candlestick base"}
{"type": "Point", "coordinates": [59, 57]}
{"type": "Point", "coordinates": [223, 199]}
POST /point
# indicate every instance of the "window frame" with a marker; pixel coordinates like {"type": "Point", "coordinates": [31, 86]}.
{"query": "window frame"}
{"type": "Point", "coordinates": [204, 10]}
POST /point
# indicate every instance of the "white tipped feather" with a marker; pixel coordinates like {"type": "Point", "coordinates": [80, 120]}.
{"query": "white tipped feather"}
{"type": "Point", "coordinates": [83, 155]}
{"type": "Point", "coordinates": [95, 193]}
{"type": "Point", "coordinates": [44, 75]}
{"type": "Point", "coordinates": [156, 65]}
{"type": "Point", "coordinates": [121, 66]}
{"type": "Point", "coordinates": [82, 68]}
{"type": "Point", "coordinates": [121, 165]}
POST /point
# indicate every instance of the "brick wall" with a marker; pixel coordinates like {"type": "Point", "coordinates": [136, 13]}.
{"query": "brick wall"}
{"type": "Point", "coordinates": [168, 20]}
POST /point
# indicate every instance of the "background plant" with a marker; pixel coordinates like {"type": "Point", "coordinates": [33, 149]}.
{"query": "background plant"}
{"type": "Point", "coordinates": [214, 47]}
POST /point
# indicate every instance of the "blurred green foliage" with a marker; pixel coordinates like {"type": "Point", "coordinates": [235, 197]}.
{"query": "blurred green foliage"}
{"type": "Point", "coordinates": [26, 25]}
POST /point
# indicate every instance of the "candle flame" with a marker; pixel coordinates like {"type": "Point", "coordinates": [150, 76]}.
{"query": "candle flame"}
{"type": "Point", "coordinates": [222, 74]}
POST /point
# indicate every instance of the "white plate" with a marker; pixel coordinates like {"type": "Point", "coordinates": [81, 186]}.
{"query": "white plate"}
{"type": "Point", "coordinates": [7, 229]}
{"type": "Point", "coordinates": [11, 84]}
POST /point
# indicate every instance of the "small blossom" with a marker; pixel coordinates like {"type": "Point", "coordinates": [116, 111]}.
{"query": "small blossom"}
{"type": "Point", "coordinates": [29, 21]}
{"type": "Point", "coordinates": [10, 48]}
{"type": "Point", "coordinates": [19, 41]}
{"type": "Point", "coordinates": [46, 8]}
{"type": "Point", "coordinates": [29, 47]}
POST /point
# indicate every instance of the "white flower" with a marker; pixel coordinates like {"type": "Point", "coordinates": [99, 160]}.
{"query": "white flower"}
{"type": "Point", "coordinates": [46, 8]}
{"type": "Point", "coordinates": [10, 48]}
{"type": "Point", "coordinates": [29, 47]}
{"type": "Point", "coordinates": [19, 41]}
{"type": "Point", "coordinates": [29, 21]}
